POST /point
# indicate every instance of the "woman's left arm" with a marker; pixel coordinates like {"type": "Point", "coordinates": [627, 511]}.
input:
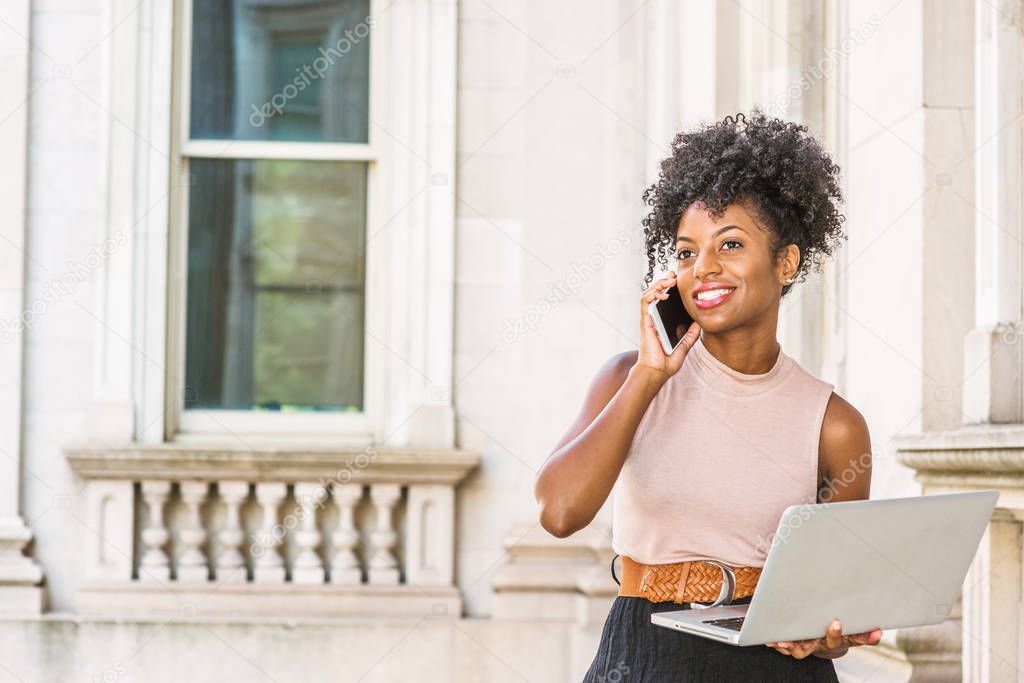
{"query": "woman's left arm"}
{"type": "Point", "coordinates": [844, 453]}
{"type": "Point", "coordinates": [844, 460]}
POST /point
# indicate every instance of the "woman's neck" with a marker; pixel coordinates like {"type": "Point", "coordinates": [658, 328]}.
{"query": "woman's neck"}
{"type": "Point", "coordinates": [748, 354]}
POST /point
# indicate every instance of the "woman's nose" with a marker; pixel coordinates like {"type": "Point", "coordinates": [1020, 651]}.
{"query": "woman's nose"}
{"type": "Point", "coordinates": [706, 264]}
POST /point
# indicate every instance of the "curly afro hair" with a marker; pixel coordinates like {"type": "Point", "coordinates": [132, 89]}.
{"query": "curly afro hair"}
{"type": "Point", "coordinates": [771, 167]}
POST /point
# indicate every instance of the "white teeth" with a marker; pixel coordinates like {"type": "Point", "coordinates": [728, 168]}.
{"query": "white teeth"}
{"type": "Point", "coordinates": [712, 294]}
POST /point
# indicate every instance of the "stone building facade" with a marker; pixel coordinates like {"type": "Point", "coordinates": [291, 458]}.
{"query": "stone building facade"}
{"type": "Point", "coordinates": [299, 294]}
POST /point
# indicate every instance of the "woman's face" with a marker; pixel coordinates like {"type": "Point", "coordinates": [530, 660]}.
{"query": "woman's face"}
{"type": "Point", "coordinates": [731, 253]}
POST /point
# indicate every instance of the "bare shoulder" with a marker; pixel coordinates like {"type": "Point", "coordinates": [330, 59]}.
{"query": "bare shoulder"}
{"type": "Point", "coordinates": [844, 449]}
{"type": "Point", "coordinates": [610, 378]}
{"type": "Point", "coordinates": [620, 364]}
{"type": "Point", "coordinates": [842, 421]}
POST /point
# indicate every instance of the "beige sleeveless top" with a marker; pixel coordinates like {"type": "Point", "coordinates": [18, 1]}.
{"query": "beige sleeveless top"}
{"type": "Point", "coordinates": [716, 459]}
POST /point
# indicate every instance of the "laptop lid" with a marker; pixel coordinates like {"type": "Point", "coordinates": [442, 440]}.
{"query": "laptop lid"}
{"type": "Point", "coordinates": [889, 563]}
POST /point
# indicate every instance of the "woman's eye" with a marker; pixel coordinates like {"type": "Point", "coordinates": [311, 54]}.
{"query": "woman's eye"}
{"type": "Point", "coordinates": [684, 254]}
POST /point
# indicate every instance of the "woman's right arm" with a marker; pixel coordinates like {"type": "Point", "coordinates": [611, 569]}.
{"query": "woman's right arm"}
{"type": "Point", "coordinates": [576, 479]}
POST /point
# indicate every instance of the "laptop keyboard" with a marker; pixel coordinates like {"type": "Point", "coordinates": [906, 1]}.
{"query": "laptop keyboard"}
{"type": "Point", "coordinates": [732, 623]}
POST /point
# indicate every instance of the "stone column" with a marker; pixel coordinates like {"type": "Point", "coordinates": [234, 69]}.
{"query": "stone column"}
{"type": "Point", "coordinates": [992, 594]}
{"type": "Point", "coordinates": [421, 313]}
{"type": "Point", "coordinates": [19, 575]}
{"type": "Point", "coordinates": [934, 651]}
{"type": "Point", "coordinates": [993, 351]}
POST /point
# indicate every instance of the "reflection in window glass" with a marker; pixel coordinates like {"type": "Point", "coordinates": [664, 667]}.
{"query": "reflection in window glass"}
{"type": "Point", "coordinates": [276, 275]}
{"type": "Point", "coordinates": [289, 70]}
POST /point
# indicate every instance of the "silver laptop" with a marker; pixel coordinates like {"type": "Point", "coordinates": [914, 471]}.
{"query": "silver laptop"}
{"type": "Point", "coordinates": [887, 563]}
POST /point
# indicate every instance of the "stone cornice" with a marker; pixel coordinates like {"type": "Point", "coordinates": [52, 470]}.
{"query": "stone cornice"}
{"type": "Point", "coordinates": [989, 455]}
{"type": "Point", "coordinates": [177, 461]}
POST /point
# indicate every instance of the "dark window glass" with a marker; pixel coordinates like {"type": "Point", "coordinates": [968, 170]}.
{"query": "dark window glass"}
{"type": "Point", "coordinates": [276, 277]}
{"type": "Point", "coordinates": [289, 70]}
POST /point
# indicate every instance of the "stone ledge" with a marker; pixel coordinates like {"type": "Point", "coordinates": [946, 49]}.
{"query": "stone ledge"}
{"type": "Point", "coordinates": [554, 579]}
{"type": "Point", "coordinates": [20, 601]}
{"type": "Point", "coordinates": [982, 455]}
{"type": "Point", "coordinates": [177, 461]}
{"type": "Point", "coordinates": [197, 601]}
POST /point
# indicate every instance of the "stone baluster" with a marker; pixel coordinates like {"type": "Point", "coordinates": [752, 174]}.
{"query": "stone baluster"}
{"type": "Point", "coordinates": [155, 565]}
{"type": "Point", "coordinates": [192, 564]}
{"type": "Point", "coordinates": [268, 566]}
{"type": "Point", "coordinates": [308, 566]}
{"type": "Point", "coordinates": [345, 569]}
{"type": "Point", "coordinates": [231, 561]}
{"type": "Point", "coordinates": [383, 566]}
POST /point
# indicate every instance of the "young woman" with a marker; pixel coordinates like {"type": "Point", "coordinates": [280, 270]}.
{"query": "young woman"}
{"type": "Point", "coordinates": [706, 447]}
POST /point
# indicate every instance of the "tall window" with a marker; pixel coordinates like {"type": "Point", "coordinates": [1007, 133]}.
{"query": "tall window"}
{"type": "Point", "coordinates": [276, 145]}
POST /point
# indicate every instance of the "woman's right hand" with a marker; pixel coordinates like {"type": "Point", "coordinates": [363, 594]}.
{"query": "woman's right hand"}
{"type": "Point", "coordinates": [652, 355]}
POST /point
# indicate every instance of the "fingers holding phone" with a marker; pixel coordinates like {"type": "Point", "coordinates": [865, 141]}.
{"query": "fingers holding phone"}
{"type": "Point", "coordinates": [667, 332]}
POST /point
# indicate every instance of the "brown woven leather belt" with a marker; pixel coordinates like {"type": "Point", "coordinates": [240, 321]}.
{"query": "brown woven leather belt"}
{"type": "Point", "coordinates": [695, 581]}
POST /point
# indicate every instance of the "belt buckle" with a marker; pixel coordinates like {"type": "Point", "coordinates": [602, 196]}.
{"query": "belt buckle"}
{"type": "Point", "coordinates": [728, 592]}
{"type": "Point", "coordinates": [643, 580]}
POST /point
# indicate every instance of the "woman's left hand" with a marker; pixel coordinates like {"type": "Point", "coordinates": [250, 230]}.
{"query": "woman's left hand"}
{"type": "Point", "coordinates": [833, 645]}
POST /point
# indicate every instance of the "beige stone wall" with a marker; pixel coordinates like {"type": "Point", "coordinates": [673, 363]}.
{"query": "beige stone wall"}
{"type": "Point", "coordinates": [564, 110]}
{"type": "Point", "coordinates": [548, 209]}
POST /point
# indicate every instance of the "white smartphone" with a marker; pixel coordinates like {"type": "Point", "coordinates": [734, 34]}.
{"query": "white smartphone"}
{"type": "Point", "coordinates": [668, 315]}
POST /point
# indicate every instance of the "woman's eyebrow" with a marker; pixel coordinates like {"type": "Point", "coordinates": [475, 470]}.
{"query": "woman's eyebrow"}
{"type": "Point", "coordinates": [718, 232]}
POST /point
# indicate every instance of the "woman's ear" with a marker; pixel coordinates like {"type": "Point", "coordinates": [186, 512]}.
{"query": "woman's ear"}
{"type": "Point", "coordinates": [788, 264]}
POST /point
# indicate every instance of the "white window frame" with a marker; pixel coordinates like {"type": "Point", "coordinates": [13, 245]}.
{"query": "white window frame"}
{"type": "Point", "coordinates": [344, 426]}
{"type": "Point", "coordinates": [410, 258]}
{"type": "Point", "coordinates": [410, 253]}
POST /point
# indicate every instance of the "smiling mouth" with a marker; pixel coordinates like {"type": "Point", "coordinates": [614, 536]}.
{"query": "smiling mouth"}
{"type": "Point", "coordinates": [713, 297]}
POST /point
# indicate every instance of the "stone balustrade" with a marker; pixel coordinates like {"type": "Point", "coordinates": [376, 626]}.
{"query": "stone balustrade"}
{"type": "Point", "coordinates": [270, 532]}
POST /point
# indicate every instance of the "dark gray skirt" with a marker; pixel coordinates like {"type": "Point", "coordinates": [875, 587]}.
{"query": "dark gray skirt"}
{"type": "Point", "coordinates": [633, 649]}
